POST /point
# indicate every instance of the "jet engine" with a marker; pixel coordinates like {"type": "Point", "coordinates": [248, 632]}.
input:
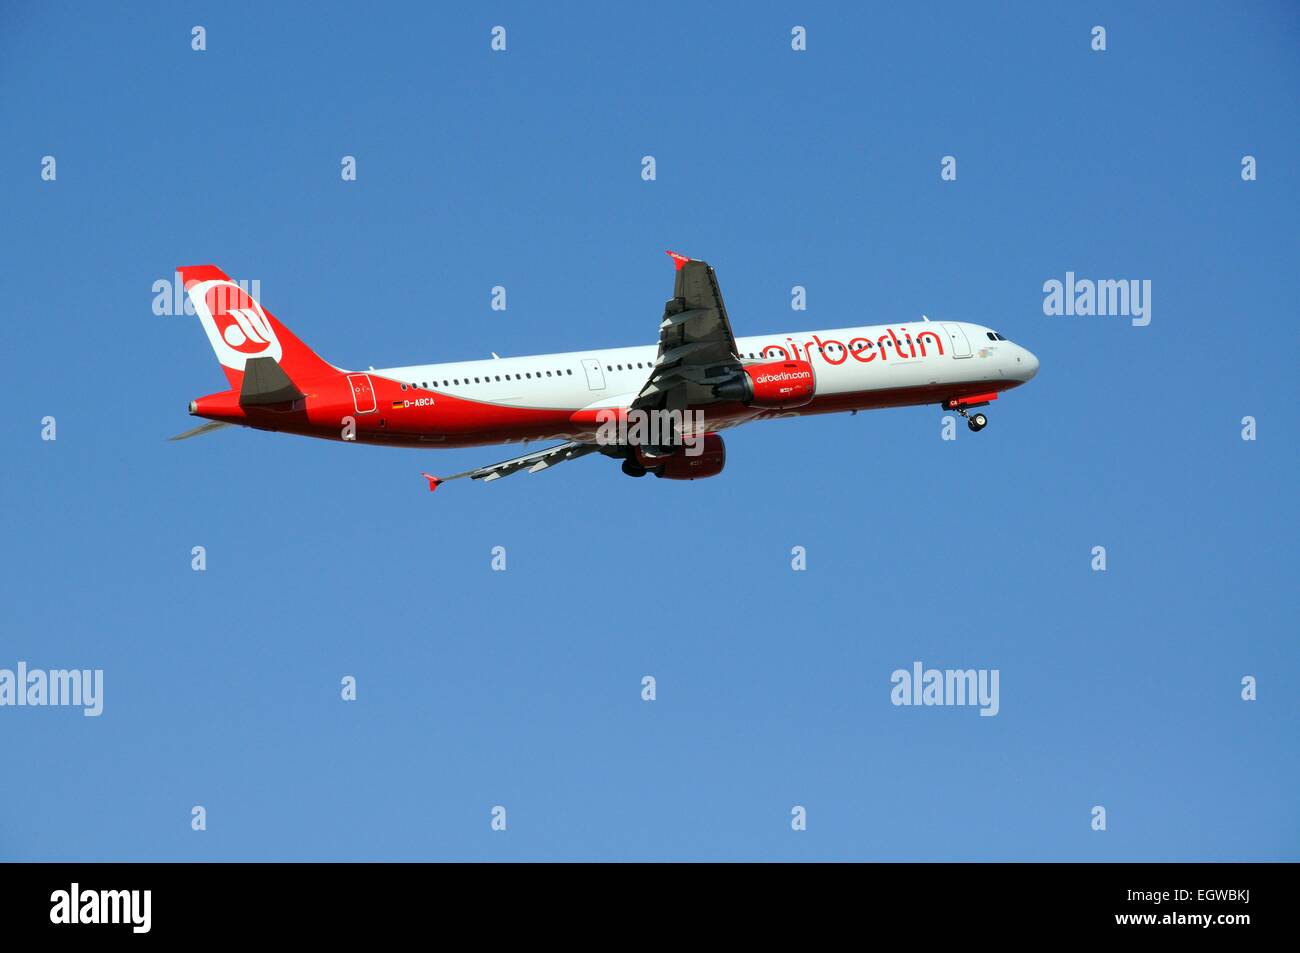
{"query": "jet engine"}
{"type": "Point", "coordinates": [680, 465]}
{"type": "Point", "coordinates": [777, 385]}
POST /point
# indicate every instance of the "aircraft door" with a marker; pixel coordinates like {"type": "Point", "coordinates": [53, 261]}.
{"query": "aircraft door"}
{"type": "Point", "coordinates": [595, 376]}
{"type": "Point", "coordinates": [363, 394]}
{"type": "Point", "coordinates": [957, 338]}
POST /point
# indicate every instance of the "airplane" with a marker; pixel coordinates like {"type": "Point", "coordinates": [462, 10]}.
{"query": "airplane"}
{"type": "Point", "coordinates": [658, 408]}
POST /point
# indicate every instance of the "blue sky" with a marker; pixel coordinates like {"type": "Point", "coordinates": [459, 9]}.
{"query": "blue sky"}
{"type": "Point", "coordinates": [522, 688]}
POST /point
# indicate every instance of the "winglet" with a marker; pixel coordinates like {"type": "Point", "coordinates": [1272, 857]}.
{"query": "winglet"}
{"type": "Point", "coordinates": [433, 480]}
{"type": "Point", "coordinates": [679, 261]}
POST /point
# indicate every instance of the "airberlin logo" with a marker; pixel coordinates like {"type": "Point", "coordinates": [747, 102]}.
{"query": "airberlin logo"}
{"type": "Point", "coordinates": [236, 324]}
{"type": "Point", "coordinates": [239, 320]}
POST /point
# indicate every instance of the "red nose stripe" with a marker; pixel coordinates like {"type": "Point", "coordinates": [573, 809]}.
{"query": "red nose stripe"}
{"type": "Point", "coordinates": [967, 401]}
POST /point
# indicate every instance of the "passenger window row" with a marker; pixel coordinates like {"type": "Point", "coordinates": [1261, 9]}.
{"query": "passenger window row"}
{"type": "Point", "coordinates": [488, 378]}
{"type": "Point", "coordinates": [639, 365]}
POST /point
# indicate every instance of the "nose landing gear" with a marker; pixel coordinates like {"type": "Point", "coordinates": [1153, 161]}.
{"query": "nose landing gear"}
{"type": "Point", "coordinates": [976, 422]}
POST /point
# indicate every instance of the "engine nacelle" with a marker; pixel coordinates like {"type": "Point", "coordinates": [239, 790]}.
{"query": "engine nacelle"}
{"type": "Point", "coordinates": [681, 466]}
{"type": "Point", "coordinates": [777, 385]}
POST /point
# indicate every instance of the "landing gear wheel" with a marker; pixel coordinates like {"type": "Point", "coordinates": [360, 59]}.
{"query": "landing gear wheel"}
{"type": "Point", "coordinates": [977, 423]}
{"type": "Point", "coordinates": [633, 469]}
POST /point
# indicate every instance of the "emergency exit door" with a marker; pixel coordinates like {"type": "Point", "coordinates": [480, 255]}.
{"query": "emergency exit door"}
{"type": "Point", "coordinates": [595, 376]}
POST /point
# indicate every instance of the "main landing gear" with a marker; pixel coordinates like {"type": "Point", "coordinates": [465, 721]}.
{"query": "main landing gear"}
{"type": "Point", "coordinates": [632, 468]}
{"type": "Point", "coordinates": [976, 422]}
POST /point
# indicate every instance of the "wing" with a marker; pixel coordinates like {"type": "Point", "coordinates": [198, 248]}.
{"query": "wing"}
{"type": "Point", "coordinates": [538, 460]}
{"type": "Point", "coordinates": [696, 347]}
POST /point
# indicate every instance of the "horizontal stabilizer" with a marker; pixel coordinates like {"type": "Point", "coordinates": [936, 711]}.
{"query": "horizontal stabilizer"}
{"type": "Point", "coordinates": [210, 426]}
{"type": "Point", "coordinates": [265, 382]}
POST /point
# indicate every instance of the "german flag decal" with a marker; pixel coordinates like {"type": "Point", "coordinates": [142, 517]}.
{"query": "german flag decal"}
{"type": "Point", "coordinates": [399, 405]}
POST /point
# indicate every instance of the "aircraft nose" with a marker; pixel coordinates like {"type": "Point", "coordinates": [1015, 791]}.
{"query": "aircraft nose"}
{"type": "Point", "coordinates": [1028, 364]}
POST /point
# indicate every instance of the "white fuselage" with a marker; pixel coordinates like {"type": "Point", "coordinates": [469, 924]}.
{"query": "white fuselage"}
{"type": "Point", "coordinates": [965, 354]}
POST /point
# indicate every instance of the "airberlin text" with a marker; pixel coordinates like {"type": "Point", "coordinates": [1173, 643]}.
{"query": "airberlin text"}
{"type": "Point", "coordinates": [902, 343]}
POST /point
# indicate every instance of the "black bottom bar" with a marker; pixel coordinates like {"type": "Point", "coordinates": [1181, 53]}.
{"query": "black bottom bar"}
{"type": "Point", "coordinates": [932, 901]}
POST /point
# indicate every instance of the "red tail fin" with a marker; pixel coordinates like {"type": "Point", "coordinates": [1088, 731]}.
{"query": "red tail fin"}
{"type": "Point", "coordinates": [239, 328]}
